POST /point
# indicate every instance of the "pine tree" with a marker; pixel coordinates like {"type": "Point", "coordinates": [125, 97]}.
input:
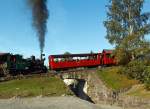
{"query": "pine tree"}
{"type": "Point", "coordinates": [127, 26]}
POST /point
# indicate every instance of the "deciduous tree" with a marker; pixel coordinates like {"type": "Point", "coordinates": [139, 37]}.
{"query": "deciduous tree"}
{"type": "Point", "coordinates": [127, 26]}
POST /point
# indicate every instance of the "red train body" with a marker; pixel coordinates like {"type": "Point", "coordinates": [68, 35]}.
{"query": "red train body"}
{"type": "Point", "coordinates": [59, 62]}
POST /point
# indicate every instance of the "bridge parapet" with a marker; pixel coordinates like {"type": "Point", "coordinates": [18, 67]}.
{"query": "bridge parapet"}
{"type": "Point", "coordinates": [76, 74]}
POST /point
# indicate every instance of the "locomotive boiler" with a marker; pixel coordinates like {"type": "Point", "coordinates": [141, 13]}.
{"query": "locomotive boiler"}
{"type": "Point", "coordinates": [11, 64]}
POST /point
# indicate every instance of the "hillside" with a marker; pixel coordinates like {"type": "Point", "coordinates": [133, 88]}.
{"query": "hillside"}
{"type": "Point", "coordinates": [114, 80]}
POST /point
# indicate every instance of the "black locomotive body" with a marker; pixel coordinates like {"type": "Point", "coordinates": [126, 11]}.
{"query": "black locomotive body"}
{"type": "Point", "coordinates": [15, 64]}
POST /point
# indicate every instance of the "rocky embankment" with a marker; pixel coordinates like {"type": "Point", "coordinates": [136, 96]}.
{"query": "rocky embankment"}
{"type": "Point", "coordinates": [100, 94]}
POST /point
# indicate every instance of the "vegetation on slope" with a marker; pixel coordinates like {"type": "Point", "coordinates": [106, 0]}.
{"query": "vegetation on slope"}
{"type": "Point", "coordinates": [45, 86]}
{"type": "Point", "coordinates": [139, 91]}
{"type": "Point", "coordinates": [119, 78]}
{"type": "Point", "coordinates": [114, 80]}
{"type": "Point", "coordinates": [138, 70]}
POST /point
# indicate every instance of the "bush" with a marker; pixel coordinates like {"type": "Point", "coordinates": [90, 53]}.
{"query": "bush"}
{"type": "Point", "coordinates": [138, 70]}
{"type": "Point", "coordinates": [147, 84]}
{"type": "Point", "coordinates": [122, 56]}
{"type": "Point", "coordinates": [147, 78]}
{"type": "Point", "coordinates": [135, 69]}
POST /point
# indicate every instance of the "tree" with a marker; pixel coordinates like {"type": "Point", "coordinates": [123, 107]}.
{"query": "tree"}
{"type": "Point", "coordinates": [67, 53]}
{"type": "Point", "coordinates": [127, 26]}
{"type": "Point", "coordinates": [67, 58]}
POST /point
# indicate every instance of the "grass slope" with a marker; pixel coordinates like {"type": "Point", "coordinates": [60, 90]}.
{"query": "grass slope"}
{"type": "Point", "coordinates": [46, 86]}
{"type": "Point", "coordinates": [114, 80]}
{"type": "Point", "coordinates": [139, 91]}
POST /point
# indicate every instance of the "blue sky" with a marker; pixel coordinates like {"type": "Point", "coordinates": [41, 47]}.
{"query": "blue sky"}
{"type": "Point", "coordinates": [73, 25]}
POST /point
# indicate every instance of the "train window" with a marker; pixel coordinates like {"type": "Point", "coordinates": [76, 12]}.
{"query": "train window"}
{"type": "Point", "coordinates": [108, 55]}
{"type": "Point", "coordinates": [93, 57]}
{"type": "Point", "coordinates": [62, 59]}
{"type": "Point", "coordinates": [56, 60]}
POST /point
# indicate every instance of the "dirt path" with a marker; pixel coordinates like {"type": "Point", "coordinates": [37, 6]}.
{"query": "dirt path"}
{"type": "Point", "coordinates": [50, 103]}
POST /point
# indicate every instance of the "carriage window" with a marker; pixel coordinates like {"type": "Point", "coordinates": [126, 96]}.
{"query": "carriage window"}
{"type": "Point", "coordinates": [56, 60]}
{"type": "Point", "coordinates": [108, 55]}
{"type": "Point", "coordinates": [93, 57]}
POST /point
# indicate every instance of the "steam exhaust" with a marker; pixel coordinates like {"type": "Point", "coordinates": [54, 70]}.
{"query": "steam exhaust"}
{"type": "Point", "coordinates": [40, 15]}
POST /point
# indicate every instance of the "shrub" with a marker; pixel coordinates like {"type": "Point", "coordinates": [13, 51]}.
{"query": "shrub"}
{"type": "Point", "coordinates": [135, 69]}
{"type": "Point", "coordinates": [147, 78]}
{"type": "Point", "coordinates": [122, 56]}
{"type": "Point", "coordinates": [138, 70]}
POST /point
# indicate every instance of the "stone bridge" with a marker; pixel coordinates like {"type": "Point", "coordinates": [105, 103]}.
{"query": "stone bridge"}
{"type": "Point", "coordinates": [76, 74]}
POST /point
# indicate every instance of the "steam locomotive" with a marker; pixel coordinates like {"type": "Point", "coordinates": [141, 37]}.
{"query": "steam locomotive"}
{"type": "Point", "coordinates": [15, 64]}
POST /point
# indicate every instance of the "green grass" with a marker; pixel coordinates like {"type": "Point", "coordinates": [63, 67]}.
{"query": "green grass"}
{"type": "Point", "coordinates": [114, 80]}
{"type": "Point", "coordinates": [46, 86]}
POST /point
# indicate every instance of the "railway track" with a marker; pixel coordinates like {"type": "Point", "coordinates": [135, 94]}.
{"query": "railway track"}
{"type": "Point", "coordinates": [21, 76]}
{"type": "Point", "coordinates": [48, 74]}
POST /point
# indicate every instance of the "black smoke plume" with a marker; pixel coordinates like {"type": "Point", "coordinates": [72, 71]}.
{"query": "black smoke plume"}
{"type": "Point", "coordinates": [39, 19]}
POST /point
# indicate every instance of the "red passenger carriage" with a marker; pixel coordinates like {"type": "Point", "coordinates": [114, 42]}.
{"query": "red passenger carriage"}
{"type": "Point", "coordinates": [66, 61]}
{"type": "Point", "coordinates": [74, 60]}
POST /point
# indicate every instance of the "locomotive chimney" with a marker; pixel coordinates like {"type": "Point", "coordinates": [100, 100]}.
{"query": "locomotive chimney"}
{"type": "Point", "coordinates": [42, 57]}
